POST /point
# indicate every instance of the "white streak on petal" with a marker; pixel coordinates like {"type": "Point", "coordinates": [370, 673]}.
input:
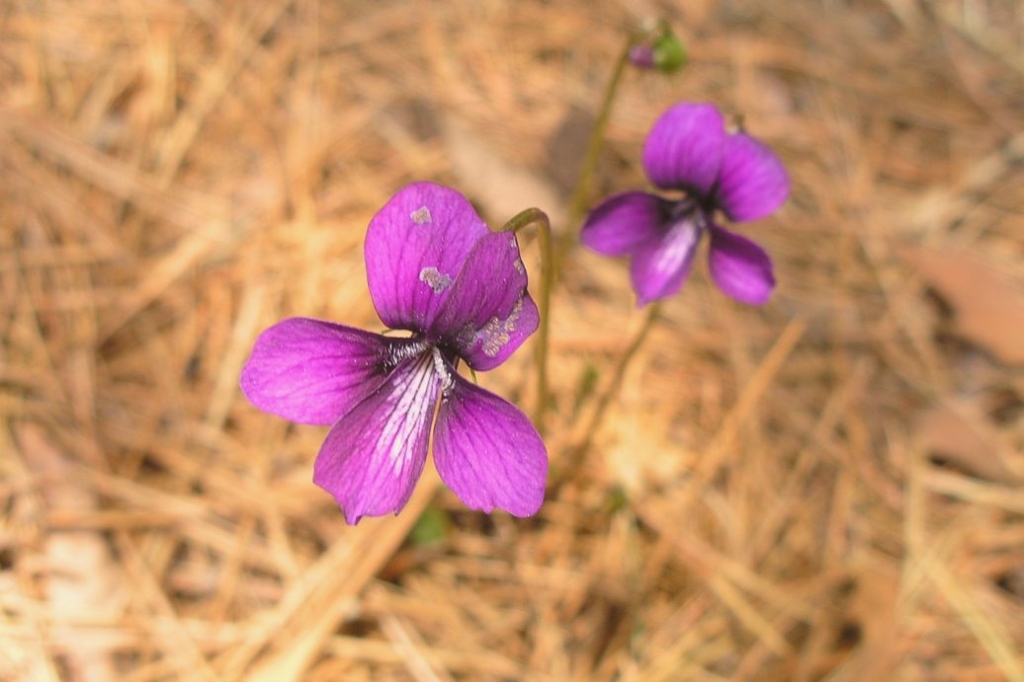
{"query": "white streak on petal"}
{"type": "Point", "coordinates": [447, 381]}
{"type": "Point", "coordinates": [407, 407]}
{"type": "Point", "coordinates": [421, 216]}
{"type": "Point", "coordinates": [677, 246]}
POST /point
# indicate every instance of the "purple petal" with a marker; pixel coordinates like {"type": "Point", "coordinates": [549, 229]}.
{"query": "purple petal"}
{"type": "Point", "coordinates": [684, 148]}
{"type": "Point", "coordinates": [488, 452]}
{"type": "Point", "coordinates": [659, 269]}
{"type": "Point", "coordinates": [740, 268]}
{"type": "Point", "coordinates": [622, 223]}
{"type": "Point", "coordinates": [753, 183]}
{"type": "Point", "coordinates": [374, 455]}
{"type": "Point", "coordinates": [312, 372]}
{"type": "Point", "coordinates": [415, 247]}
{"type": "Point", "coordinates": [488, 313]}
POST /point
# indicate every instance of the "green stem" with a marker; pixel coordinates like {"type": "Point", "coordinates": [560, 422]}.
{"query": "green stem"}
{"type": "Point", "coordinates": [584, 186]}
{"type": "Point", "coordinates": [620, 369]}
{"type": "Point", "coordinates": [577, 453]}
{"type": "Point", "coordinates": [535, 216]}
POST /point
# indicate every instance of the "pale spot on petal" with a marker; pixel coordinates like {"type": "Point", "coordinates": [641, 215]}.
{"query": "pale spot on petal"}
{"type": "Point", "coordinates": [438, 281]}
{"type": "Point", "coordinates": [495, 333]}
{"type": "Point", "coordinates": [421, 216]}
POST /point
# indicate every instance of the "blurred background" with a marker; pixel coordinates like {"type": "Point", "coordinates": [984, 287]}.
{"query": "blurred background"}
{"type": "Point", "coordinates": [825, 488]}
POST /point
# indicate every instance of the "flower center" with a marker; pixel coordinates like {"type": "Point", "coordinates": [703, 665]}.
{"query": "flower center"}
{"type": "Point", "coordinates": [401, 350]}
{"type": "Point", "coordinates": [429, 357]}
{"type": "Point", "coordinates": [689, 209]}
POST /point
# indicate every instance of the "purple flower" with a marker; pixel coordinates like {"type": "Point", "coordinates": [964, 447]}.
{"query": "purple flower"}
{"type": "Point", "coordinates": [689, 150]}
{"type": "Point", "coordinates": [436, 270]}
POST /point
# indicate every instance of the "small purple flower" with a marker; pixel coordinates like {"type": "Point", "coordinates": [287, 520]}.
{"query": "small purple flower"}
{"type": "Point", "coordinates": [689, 150]}
{"type": "Point", "coordinates": [436, 270]}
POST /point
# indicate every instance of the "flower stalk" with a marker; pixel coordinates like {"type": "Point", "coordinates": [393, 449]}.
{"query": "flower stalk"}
{"type": "Point", "coordinates": [584, 186]}
{"type": "Point", "coordinates": [576, 454]}
{"type": "Point", "coordinates": [666, 53]}
{"type": "Point", "coordinates": [625, 359]}
{"type": "Point", "coordinates": [523, 219]}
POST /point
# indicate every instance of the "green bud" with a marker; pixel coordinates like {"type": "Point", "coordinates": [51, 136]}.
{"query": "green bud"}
{"type": "Point", "coordinates": [669, 53]}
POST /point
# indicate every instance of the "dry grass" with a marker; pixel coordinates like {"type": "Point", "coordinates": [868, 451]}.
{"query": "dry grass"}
{"type": "Point", "coordinates": [828, 488]}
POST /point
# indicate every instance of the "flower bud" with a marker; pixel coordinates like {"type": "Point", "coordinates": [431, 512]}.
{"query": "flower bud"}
{"type": "Point", "coordinates": [642, 56]}
{"type": "Point", "coordinates": [664, 53]}
{"type": "Point", "coordinates": [669, 53]}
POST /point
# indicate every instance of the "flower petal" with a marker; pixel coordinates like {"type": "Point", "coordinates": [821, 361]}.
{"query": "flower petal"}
{"type": "Point", "coordinates": [487, 451]}
{"type": "Point", "coordinates": [684, 148]}
{"type": "Point", "coordinates": [374, 455]}
{"type": "Point", "coordinates": [415, 247]}
{"type": "Point", "coordinates": [740, 268]}
{"type": "Point", "coordinates": [488, 313]}
{"type": "Point", "coordinates": [624, 222]}
{"type": "Point", "coordinates": [753, 182]}
{"type": "Point", "coordinates": [312, 372]}
{"type": "Point", "coordinates": [659, 269]}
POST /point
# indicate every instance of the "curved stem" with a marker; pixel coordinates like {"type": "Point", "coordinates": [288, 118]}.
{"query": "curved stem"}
{"type": "Point", "coordinates": [535, 216]}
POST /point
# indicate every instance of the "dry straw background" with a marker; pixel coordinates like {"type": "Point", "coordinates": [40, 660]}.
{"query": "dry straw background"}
{"type": "Point", "coordinates": [826, 488]}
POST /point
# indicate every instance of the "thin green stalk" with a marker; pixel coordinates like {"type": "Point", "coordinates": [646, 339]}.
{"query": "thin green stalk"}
{"type": "Point", "coordinates": [669, 57]}
{"type": "Point", "coordinates": [653, 311]}
{"type": "Point", "coordinates": [576, 454]}
{"type": "Point", "coordinates": [535, 216]}
{"type": "Point", "coordinates": [584, 186]}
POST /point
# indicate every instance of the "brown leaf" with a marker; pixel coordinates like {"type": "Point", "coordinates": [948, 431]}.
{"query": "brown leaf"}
{"type": "Point", "coordinates": [988, 302]}
{"type": "Point", "coordinates": [962, 436]}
